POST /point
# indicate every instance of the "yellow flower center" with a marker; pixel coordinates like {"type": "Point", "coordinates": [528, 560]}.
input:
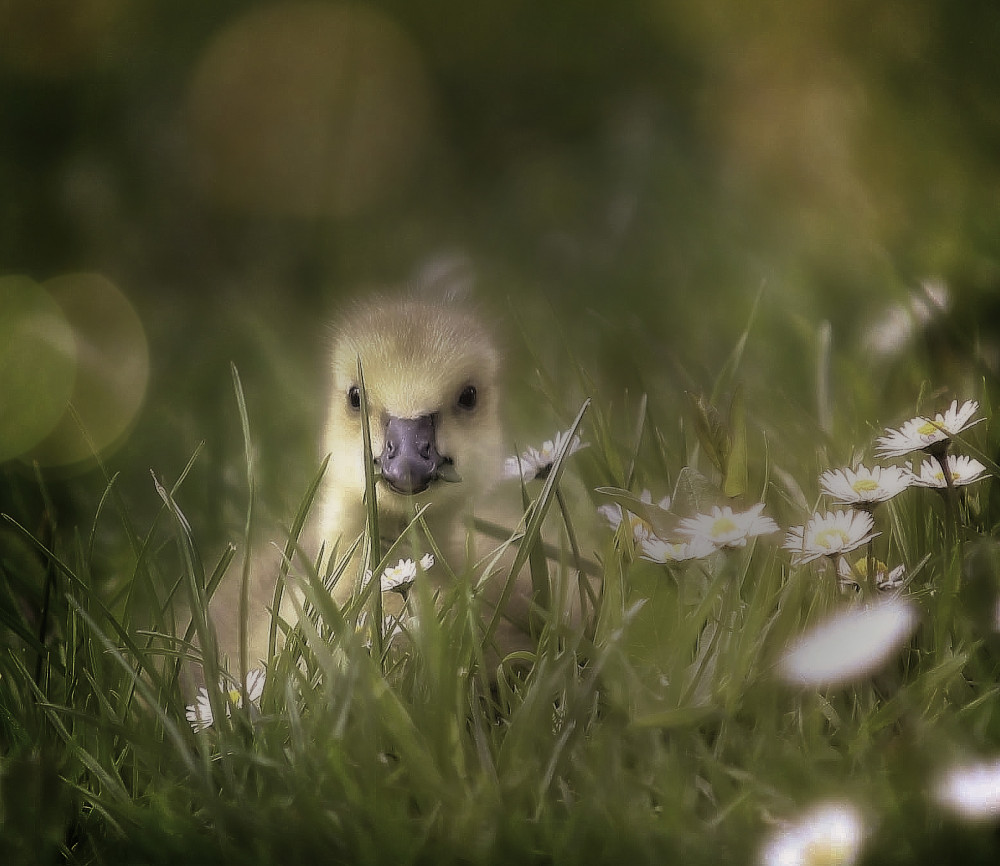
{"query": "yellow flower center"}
{"type": "Point", "coordinates": [830, 539]}
{"type": "Point", "coordinates": [928, 429]}
{"type": "Point", "coordinates": [828, 852]}
{"type": "Point", "coordinates": [723, 526]}
{"type": "Point", "coordinates": [865, 485]}
{"type": "Point", "coordinates": [861, 567]}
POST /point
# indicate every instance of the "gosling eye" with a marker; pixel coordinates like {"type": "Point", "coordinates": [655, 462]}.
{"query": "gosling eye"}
{"type": "Point", "coordinates": [354, 397]}
{"type": "Point", "coordinates": [468, 397]}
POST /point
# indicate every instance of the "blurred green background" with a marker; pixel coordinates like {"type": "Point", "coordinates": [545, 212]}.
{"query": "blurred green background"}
{"type": "Point", "coordinates": [631, 174]}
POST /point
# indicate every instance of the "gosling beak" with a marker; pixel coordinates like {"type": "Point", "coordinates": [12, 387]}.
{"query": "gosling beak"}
{"type": "Point", "coordinates": [410, 460]}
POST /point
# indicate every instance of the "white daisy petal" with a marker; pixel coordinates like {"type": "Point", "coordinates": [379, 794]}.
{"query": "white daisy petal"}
{"type": "Point", "coordinates": [864, 486]}
{"type": "Point", "coordinates": [849, 645]}
{"type": "Point", "coordinates": [919, 433]}
{"type": "Point", "coordinates": [199, 714]}
{"type": "Point", "coordinates": [534, 463]}
{"type": "Point", "coordinates": [399, 576]}
{"type": "Point", "coordinates": [255, 684]}
{"type": "Point", "coordinates": [723, 527]}
{"type": "Point", "coordinates": [884, 579]}
{"type": "Point", "coordinates": [614, 514]}
{"type": "Point", "coordinates": [963, 470]}
{"type": "Point", "coordinates": [891, 580]}
{"type": "Point", "coordinates": [657, 550]}
{"type": "Point", "coordinates": [829, 535]}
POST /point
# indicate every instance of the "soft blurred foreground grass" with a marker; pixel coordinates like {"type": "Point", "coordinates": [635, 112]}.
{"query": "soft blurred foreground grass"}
{"type": "Point", "coordinates": [657, 731]}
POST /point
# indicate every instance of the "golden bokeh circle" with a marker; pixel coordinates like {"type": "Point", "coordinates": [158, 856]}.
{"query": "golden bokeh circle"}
{"type": "Point", "coordinates": [112, 370]}
{"type": "Point", "coordinates": [37, 364]}
{"type": "Point", "coordinates": [307, 109]}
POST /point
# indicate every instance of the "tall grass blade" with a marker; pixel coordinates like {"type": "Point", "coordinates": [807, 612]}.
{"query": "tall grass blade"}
{"type": "Point", "coordinates": [534, 526]}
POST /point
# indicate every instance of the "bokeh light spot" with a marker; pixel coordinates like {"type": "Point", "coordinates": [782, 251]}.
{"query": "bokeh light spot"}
{"type": "Point", "coordinates": [112, 369]}
{"type": "Point", "coordinates": [308, 109]}
{"type": "Point", "coordinates": [36, 365]}
{"type": "Point", "coordinates": [850, 645]}
{"type": "Point", "coordinates": [971, 791]}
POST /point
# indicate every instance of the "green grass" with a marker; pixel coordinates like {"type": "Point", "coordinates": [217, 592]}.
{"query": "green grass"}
{"type": "Point", "coordinates": [656, 732]}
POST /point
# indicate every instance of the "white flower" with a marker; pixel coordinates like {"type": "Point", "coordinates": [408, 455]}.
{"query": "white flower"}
{"type": "Point", "coordinates": [830, 834]}
{"type": "Point", "coordinates": [199, 714]}
{"type": "Point", "coordinates": [885, 580]}
{"type": "Point", "coordinates": [657, 550]}
{"type": "Point", "coordinates": [963, 470]}
{"type": "Point", "coordinates": [864, 486]}
{"type": "Point", "coordinates": [850, 644]}
{"type": "Point", "coordinates": [829, 535]}
{"type": "Point", "coordinates": [400, 577]}
{"type": "Point", "coordinates": [534, 463]}
{"type": "Point", "coordinates": [725, 528]}
{"type": "Point", "coordinates": [920, 433]}
{"type": "Point", "coordinates": [614, 514]}
{"type": "Point", "coordinates": [973, 791]}
{"type": "Point", "coordinates": [255, 683]}
{"type": "Point", "coordinates": [888, 581]}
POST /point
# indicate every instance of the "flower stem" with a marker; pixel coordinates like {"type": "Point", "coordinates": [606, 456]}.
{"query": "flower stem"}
{"type": "Point", "coordinates": [952, 559]}
{"type": "Point", "coordinates": [586, 590]}
{"type": "Point", "coordinates": [950, 493]}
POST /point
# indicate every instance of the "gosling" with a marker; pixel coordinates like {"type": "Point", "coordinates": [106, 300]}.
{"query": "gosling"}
{"type": "Point", "coordinates": [432, 386]}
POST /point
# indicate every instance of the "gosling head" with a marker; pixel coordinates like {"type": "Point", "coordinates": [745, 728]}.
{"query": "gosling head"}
{"type": "Point", "coordinates": [431, 379]}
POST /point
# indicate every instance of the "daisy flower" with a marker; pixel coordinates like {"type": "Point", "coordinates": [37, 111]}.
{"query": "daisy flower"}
{"type": "Point", "coordinates": [830, 833]}
{"type": "Point", "coordinates": [888, 581]}
{"type": "Point", "coordinates": [536, 463]}
{"type": "Point", "coordinates": [921, 434]}
{"type": "Point", "coordinates": [400, 577]}
{"type": "Point", "coordinates": [884, 580]}
{"type": "Point", "coordinates": [863, 487]}
{"type": "Point", "coordinates": [199, 714]}
{"type": "Point", "coordinates": [723, 527]}
{"type": "Point", "coordinates": [657, 550]}
{"type": "Point", "coordinates": [973, 791]}
{"type": "Point", "coordinates": [849, 645]}
{"type": "Point", "coordinates": [615, 514]}
{"type": "Point", "coordinates": [830, 535]}
{"type": "Point", "coordinates": [963, 470]}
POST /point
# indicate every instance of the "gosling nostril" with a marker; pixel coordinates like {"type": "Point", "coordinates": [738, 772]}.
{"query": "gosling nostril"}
{"type": "Point", "coordinates": [410, 460]}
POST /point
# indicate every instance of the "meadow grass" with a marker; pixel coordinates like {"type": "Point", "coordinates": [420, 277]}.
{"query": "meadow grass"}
{"type": "Point", "coordinates": [658, 730]}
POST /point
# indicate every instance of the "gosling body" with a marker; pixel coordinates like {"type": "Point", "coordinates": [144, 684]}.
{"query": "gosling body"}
{"type": "Point", "coordinates": [432, 387]}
